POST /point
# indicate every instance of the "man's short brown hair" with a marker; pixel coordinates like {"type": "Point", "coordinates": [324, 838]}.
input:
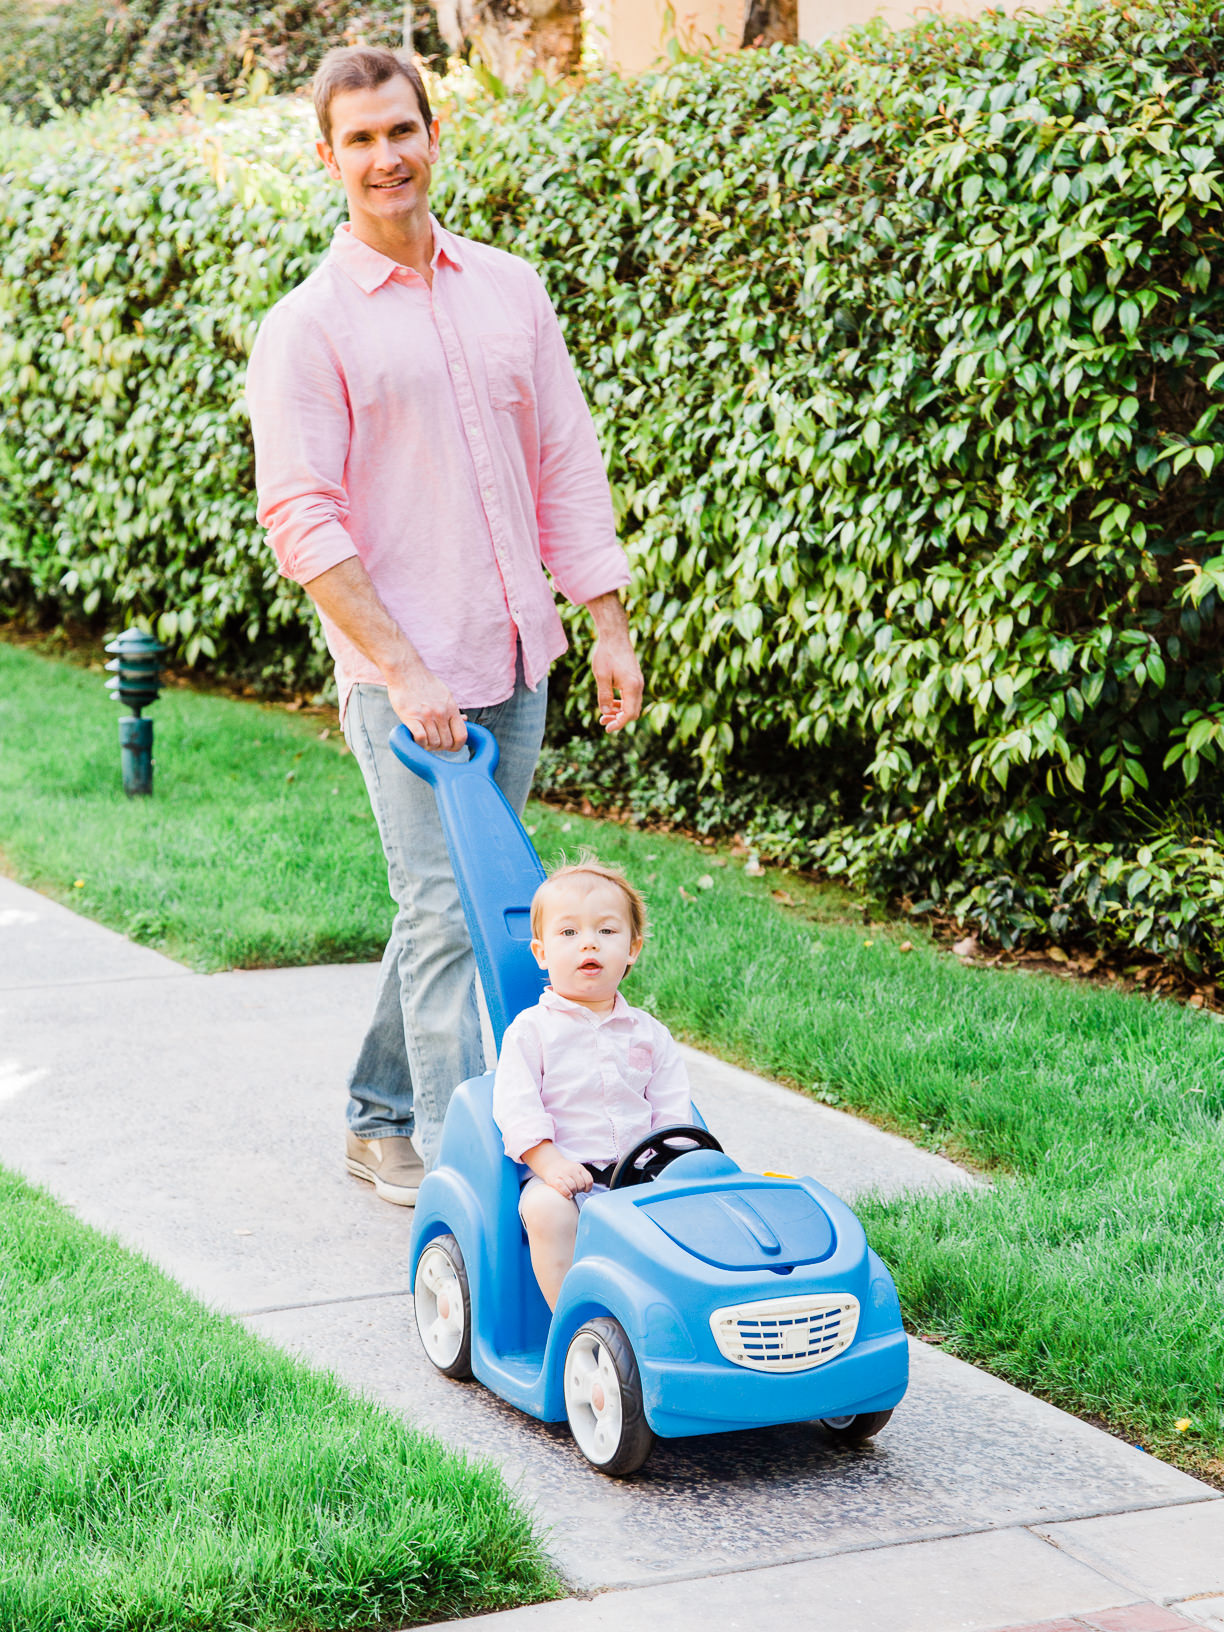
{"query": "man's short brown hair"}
{"type": "Point", "coordinates": [361, 68]}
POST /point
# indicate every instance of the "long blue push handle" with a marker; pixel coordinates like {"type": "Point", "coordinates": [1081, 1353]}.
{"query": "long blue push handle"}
{"type": "Point", "coordinates": [495, 866]}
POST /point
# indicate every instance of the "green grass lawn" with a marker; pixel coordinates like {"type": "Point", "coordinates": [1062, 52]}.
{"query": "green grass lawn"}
{"type": "Point", "coordinates": [1093, 1271]}
{"type": "Point", "coordinates": [257, 848]}
{"type": "Point", "coordinates": [161, 1470]}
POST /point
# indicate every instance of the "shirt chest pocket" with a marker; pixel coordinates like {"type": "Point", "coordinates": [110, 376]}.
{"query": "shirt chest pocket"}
{"type": "Point", "coordinates": [638, 1069]}
{"type": "Point", "coordinates": [507, 360]}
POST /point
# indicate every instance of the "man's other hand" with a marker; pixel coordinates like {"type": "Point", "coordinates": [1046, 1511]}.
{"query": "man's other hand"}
{"type": "Point", "coordinates": [426, 706]}
{"type": "Point", "coordinates": [619, 679]}
{"type": "Point", "coordinates": [618, 676]}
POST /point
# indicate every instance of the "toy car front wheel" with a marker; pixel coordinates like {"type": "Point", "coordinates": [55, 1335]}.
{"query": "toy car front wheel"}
{"type": "Point", "coordinates": [603, 1398]}
{"type": "Point", "coordinates": [444, 1307]}
{"type": "Point", "coordinates": [855, 1430]}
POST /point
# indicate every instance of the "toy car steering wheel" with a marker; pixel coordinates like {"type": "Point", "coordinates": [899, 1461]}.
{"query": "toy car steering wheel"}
{"type": "Point", "coordinates": [658, 1150]}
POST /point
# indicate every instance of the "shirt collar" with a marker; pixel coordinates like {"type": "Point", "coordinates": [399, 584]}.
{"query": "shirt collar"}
{"type": "Point", "coordinates": [563, 1005]}
{"type": "Point", "coordinates": [369, 268]}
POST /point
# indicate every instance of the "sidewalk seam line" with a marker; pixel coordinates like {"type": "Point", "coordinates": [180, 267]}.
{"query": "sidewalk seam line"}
{"type": "Point", "coordinates": [102, 980]}
{"type": "Point", "coordinates": [319, 1303]}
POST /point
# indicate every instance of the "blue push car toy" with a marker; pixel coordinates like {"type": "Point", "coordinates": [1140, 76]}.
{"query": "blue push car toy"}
{"type": "Point", "coordinates": [701, 1298]}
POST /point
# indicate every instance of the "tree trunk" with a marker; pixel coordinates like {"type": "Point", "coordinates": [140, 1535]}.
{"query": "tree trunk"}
{"type": "Point", "coordinates": [515, 38]}
{"type": "Point", "coordinates": [771, 20]}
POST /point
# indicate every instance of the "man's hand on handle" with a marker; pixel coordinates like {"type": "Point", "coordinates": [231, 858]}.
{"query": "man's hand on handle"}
{"type": "Point", "coordinates": [427, 708]}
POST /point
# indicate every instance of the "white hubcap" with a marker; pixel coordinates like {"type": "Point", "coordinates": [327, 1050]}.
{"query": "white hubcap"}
{"type": "Point", "coordinates": [593, 1398]}
{"type": "Point", "coordinates": [439, 1306]}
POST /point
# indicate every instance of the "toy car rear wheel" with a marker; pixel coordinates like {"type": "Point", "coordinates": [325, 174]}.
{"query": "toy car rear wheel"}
{"type": "Point", "coordinates": [603, 1398]}
{"type": "Point", "coordinates": [855, 1430]}
{"type": "Point", "coordinates": [444, 1307]}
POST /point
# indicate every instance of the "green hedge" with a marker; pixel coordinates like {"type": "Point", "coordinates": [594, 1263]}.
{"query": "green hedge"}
{"type": "Point", "coordinates": [138, 261]}
{"type": "Point", "coordinates": [906, 357]}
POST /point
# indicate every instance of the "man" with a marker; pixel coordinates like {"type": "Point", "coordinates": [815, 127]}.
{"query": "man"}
{"type": "Point", "coordinates": [423, 452]}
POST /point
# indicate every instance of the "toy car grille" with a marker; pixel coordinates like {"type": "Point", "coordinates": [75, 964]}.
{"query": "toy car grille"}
{"type": "Point", "coordinates": [786, 1334]}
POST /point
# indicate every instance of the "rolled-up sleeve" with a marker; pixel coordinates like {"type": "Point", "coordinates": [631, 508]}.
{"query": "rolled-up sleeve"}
{"type": "Point", "coordinates": [668, 1091]}
{"type": "Point", "coordinates": [577, 528]}
{"type": "Point", "coordinates": [300, 421]}
{"type": "Point", "coordinates": [518, 1108]}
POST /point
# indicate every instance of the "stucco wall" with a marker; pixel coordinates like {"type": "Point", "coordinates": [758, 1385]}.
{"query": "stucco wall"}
{"type": "Point", "coordinates": [633, 34]}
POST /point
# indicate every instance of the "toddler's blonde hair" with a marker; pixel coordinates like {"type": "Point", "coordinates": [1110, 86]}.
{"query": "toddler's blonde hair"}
{"type": "Point", "coordinates": [591, 869]}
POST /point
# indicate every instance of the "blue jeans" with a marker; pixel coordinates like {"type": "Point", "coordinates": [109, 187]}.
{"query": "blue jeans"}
{"type": "Point", "coordinates": [424, 1039]}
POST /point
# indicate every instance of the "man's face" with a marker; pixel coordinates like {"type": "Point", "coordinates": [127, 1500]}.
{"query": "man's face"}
{"type": "Point", "coordinates": [383, 152]}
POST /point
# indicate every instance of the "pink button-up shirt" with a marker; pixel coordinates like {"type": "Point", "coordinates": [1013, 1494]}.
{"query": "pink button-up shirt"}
{"type": "Point", "coordinates": [440, 436]}
{"type": "Point", "coordinates": [592, 1083]}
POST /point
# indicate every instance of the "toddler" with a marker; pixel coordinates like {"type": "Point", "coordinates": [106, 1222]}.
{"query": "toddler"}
{"type": "Point", "coordinates": [582, 1076]}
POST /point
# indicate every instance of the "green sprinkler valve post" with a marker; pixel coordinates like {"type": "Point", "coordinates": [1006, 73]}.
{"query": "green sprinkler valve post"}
{"type": "Point", "coordinates": [135, 682]}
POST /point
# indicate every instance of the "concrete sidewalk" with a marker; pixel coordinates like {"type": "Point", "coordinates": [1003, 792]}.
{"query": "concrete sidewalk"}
{"type": "Point", "coordinates": [206, 1118]}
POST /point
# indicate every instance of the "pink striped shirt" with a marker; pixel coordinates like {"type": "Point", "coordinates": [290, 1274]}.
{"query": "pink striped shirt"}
{"type": "Point", "coordinates": [440, 436]}
{"type": "Point", "coordinates": [592, 1083]}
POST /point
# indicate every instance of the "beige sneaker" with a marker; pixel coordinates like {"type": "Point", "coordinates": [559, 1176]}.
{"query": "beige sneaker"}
{"type": "Point", "coordinates": [392, 1166]}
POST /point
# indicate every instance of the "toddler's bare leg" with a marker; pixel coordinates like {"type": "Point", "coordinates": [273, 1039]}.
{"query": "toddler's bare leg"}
{"type": "Point", "coordinates": [552, 1223]}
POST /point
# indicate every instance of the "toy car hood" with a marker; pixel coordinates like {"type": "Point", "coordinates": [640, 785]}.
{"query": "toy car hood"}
{"type": "Point", "coordinates": [748, 1225]}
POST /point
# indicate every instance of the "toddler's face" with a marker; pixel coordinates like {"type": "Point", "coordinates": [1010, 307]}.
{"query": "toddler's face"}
{"type": "Point", "coordinates": [585, 942]}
